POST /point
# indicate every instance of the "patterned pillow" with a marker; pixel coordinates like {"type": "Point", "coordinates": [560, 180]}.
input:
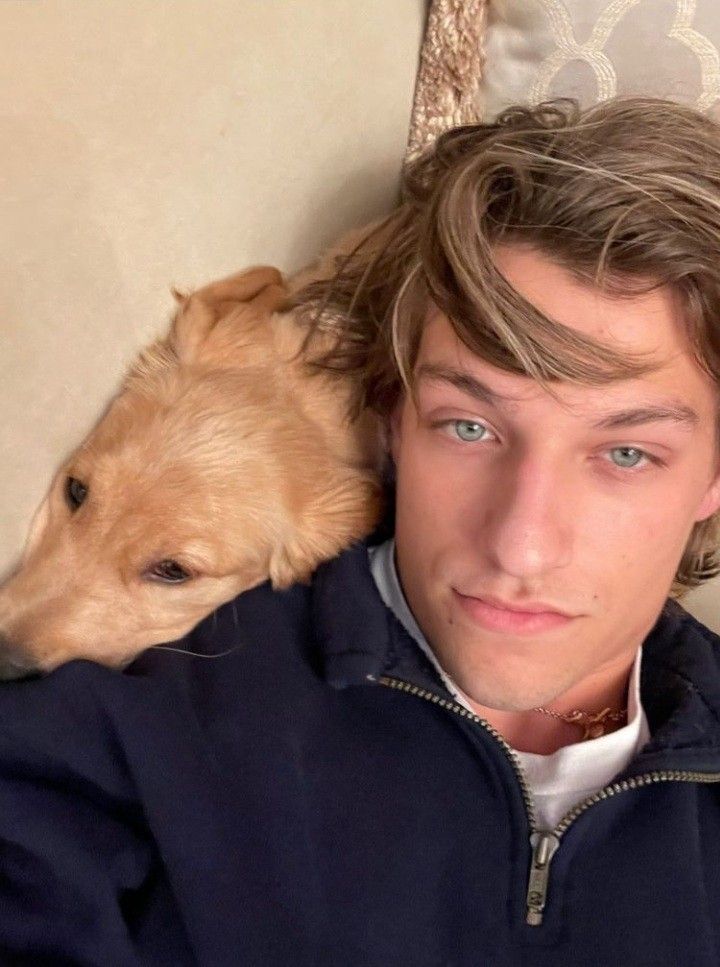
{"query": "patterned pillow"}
{"type": "Point", "coordinates": [594, 49]}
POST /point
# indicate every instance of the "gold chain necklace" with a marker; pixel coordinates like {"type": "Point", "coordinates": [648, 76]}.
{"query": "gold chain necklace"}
{"type": "Point", "coordinates": [593, 725]}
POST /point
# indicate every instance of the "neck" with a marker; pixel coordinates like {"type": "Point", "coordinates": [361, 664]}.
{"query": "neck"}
{"type": "Point", "coordinates": [531, 731]}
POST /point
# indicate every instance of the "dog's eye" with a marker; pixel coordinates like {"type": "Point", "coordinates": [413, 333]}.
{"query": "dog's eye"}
{"type": "Point", "coordinates": [75, 492]}
{"type": "Point", "coordinates": [169, 571]}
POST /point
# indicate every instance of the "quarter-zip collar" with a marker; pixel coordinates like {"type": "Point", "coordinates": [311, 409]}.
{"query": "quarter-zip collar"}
{"type": "Point", "coordinates": [680, 678]}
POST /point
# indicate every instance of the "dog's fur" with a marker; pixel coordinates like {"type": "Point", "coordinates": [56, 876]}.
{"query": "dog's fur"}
{"type": "Point", "coordinates": [223, 453]}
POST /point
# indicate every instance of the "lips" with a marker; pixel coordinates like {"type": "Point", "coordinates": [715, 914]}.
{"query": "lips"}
{"type": "Point", "coordinates": [524, 607]}
{"type": "Point", "coordinates": [524, 619]}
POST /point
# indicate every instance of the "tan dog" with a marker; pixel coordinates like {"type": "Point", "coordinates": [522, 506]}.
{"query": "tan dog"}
{"type": "Point", "coordinates": [223, 461]}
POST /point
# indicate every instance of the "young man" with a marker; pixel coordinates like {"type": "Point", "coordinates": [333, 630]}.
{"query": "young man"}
{"type": "Point", "coordinates": [493, 738]}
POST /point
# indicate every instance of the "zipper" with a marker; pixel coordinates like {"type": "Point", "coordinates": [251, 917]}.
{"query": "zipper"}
{"type": "Point", "coordinates": [545, 842]}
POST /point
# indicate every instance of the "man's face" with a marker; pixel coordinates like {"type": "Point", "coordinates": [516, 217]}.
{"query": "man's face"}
{"type": "Point", "coordinates": [526, 499]}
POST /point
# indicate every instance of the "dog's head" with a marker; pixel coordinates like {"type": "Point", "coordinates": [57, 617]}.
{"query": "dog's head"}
{"type": "Point", "coordinates": [204, 478]}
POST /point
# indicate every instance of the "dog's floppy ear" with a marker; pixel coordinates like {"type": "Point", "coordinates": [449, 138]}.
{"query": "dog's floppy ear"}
{"type": "Point", "coordinates": [199, 312]}
{"type": "Point", "coordinates": [344, 511]}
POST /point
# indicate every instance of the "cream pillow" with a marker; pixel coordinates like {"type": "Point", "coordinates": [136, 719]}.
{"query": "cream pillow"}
{"type": "Point", "coordinates": [594, 49]}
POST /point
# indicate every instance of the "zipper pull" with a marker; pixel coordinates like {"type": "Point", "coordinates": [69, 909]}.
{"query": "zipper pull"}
{"type": "Point", "coordinates": [544, 844]}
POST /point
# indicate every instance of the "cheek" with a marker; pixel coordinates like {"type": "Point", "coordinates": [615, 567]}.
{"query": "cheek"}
{"type": "Point", "coordinates": [427, 484]}
{"type": "Point", "coordinates": [632, 543]}
{"type": "Point", "coordinates": [440, 505]}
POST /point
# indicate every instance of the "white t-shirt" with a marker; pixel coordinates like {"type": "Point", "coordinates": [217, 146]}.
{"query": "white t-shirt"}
{"type": "Point", "coordinates": [558, 781]}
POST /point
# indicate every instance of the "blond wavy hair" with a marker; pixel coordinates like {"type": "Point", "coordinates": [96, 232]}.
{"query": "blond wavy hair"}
{"type": "Point", "coordinates": [625, 195]}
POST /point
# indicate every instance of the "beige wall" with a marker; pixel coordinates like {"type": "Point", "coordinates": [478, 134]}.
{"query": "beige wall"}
{"type": "Point", "coordinates": [160, 142]}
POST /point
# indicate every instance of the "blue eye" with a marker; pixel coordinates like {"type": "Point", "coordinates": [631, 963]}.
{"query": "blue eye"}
{"type": "Point", "coordinates": [468, 430]}
{"type": "Point", "coordinates": [631, 461]}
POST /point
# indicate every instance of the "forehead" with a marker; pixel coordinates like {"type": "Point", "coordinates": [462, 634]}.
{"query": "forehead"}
{"type": "Point", "coordinates": [650, 323]}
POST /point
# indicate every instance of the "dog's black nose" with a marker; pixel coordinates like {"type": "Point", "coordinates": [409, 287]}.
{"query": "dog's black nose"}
{"type": "Point", "coordinates": [12, 666]}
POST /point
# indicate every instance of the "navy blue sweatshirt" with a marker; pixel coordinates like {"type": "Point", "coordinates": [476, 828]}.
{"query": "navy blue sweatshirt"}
{"type": "Point", "coordinates": [314, 797]}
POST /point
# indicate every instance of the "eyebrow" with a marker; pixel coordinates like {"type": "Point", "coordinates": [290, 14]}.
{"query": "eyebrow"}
{"type": "Point", "coordinates": [671, 411]}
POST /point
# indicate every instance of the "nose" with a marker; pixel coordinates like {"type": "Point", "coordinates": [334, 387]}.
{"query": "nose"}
{"type": "Point", "coordinates": [12, 665]}
{"type": "Point", "coordinates": [528, 523]}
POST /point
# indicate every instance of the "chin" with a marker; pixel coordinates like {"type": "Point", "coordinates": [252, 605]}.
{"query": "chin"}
{"type": "Point", "coordinates": [502, 672]}
{"type": "Point", "coordinates": [510, 698]}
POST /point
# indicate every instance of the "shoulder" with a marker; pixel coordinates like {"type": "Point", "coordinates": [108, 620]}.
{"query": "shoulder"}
{"type": "Point", "coordinates": [259, 662]}
{"type": "Point", "coordinates": [82, 712]}
{"type": "Point", "coordinates": [263, 639]}
{"type": "Point", "coordinates": [282, 643]}
{"type": "Point", "coordinates": [679, 631]}
{"type": "Point", "coordinates": [681, 659]}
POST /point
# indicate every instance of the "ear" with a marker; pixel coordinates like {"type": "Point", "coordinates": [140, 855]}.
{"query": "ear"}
{"type": "Point", "coordinates": [198, 313]}
{"type": "Point", "coordinates": [345, 511]}
{"type": "Point", "coordinates": [711, 500]}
